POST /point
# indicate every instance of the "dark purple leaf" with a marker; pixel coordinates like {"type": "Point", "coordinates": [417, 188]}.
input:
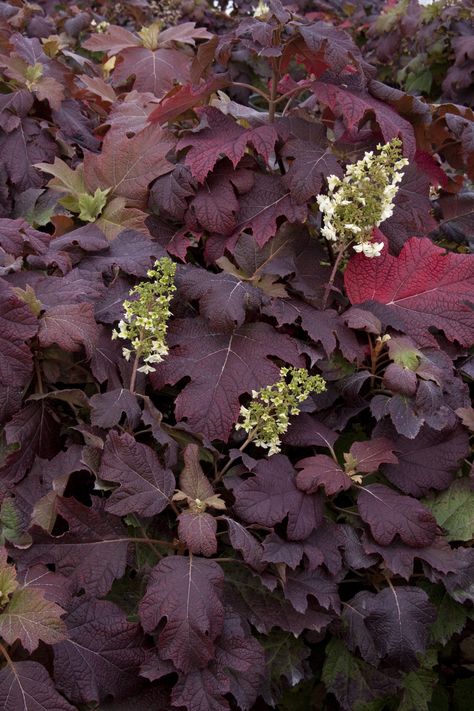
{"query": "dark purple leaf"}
{"type": "Point", "coordinates": [399, 621]}
{"type": "Point", "coordinates": [234, 363]}
{"type": "Point", "coordinates": [145, 486]}
{"type": "Point", "coordinates": [271, 495]}
{"type": "Point", "coordinates": [389, 514]}
{"type": "Point", "coordinates": [188, 593]}
{"type": "Point", "coordinates": [101, 655]}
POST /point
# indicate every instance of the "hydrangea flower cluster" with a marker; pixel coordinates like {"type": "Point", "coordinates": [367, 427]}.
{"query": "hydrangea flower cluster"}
{"type": "Point", "coordinates": [145, 321]}
{"type": "Point", "coordinates": [268, 415]}
{"type": "Point", "coordinates": [363, 198]}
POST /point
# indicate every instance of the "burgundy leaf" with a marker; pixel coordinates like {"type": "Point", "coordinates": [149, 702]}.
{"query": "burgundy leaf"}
{"type": "Point", "coordinates": [17, 324]}
{"type": "Point", "coordinates": [261, 208]}
{"type": "Point", "coordinates": [224, 299]}
{"type": "Point", "coordinates": [188, 593]}
{"type": "Point", "coordinates": [92, 554]}
{"type": "Point", "coordinates": [70, 326]}
{"type": "Point", "coordinates": [427, 462]}
{"type": "Point", "coordinates": [309, 166]}
{"type": "Point", "coordinates": [145, 486]}
{"type": "Point", "coordinates": [389, 514]}
{"type": "Point", "coordinates": [370, 454]}
{"type": "Point", "coordinates": [234, 363]}
{"type": "Point", "coordinates": [131, 251]}
{"type": "Point", "coordinates": [198, 532]}
{"type": "Point", "coordinates": [271, 495]}
{"type": "Point", "coordinates": [399, 621]}
{"type": "Point", "coordinates": [108, 408]}
{"type": "Point", "coordinates": [129, 165]}
{"type": "Point", "coordinates": [400, 558]}
{"type": "Point", "coordinates": [101, 655]}
{"type": "Point", "coordinates": [222, 136]}
{"type": "Point", "coordinates": [321, 471]}
{"type": "Point", "coordinates": [243, 541]}
{"type": "Point", "coordinates": [27, 686]}
{"type": "Point", "coordinates": [301, 584]}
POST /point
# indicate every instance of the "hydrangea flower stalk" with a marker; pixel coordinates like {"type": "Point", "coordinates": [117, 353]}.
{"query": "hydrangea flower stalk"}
{"type": "Point", "coordinates": [363, 198]}
{"type": "Point", "coordinates": [145, 321]}
{"type": "Point", "coordinates": [361, 201]}
{"type": "Point", "coordinates": [268, 415]}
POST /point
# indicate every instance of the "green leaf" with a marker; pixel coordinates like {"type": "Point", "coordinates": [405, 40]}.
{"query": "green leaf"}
{"type": "Point", "coordinates": [90, 206]}
{"type": "Point", "coordinates": [454, 510]}
{"type": "Point", "coordinates": [30, 618]}
{"type": "Point", "coordinates": [285, 658]}
{"type": "Point", "coordinates": [8, 583]}
{"type": "Point", "coordinates": [451, 615]}
{"type": "Point", "coordinates": [354, 683]}
{"type": "Point", "coordinates": [417, 690]}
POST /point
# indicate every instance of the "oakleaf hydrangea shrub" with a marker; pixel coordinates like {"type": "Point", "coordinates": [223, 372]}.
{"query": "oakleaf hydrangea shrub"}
{"type": "Point", "coordinates": [236, 353]}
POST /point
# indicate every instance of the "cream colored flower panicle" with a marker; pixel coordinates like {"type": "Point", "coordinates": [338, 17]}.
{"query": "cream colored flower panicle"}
{"type": "Point", "coordinates": [145, 320]}
{"type": "Point", "coordinates": [363, 198]}
{"type": "Point", "coordinates": [268, 415]}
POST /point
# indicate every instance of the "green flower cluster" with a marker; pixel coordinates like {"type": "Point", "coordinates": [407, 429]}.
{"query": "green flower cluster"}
{"type": "Point", "coordinates": [363, 198]}
{"type": "Point", "coordinates": [268, 415]}
{"type": "Point", "coordinates": [145, 321]}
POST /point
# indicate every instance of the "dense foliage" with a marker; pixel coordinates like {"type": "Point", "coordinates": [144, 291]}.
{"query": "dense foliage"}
{"type": "Point", "coordinates": [154, 554]}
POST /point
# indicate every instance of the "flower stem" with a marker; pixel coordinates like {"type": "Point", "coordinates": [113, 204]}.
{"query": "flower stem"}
{"type": "Point", "coordinates": [330, 283]}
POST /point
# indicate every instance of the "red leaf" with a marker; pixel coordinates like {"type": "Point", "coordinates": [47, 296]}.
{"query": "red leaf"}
{"type": "Point", "coordinates": [372, 453]}
{"type": "Point", "coordinates": [198, 532]}
{"type": "Point", "coordinates": [17, 324]}
{"type": "Point", "coordinates": [424, 287]}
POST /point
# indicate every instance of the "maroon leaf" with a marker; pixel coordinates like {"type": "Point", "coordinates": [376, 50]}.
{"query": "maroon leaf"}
{"type": "Point", "coordinates": [427, 462]}
{"type": "Point", "coordinates": [33, 429]}
{"type": "Point", "coordinates": [131, 251]}
{"type": "Point", "coordinates": [101, 655]}
{"type": "Point", "coordinates": [201, 689]}
{"type": "Point", "coordinates": [198, 532]}
{"type": "Point", "coordinates": [27, 686]}
{"type": "Point", "coordinates": [235, 363]}
{"type": "Point", "coordinates": [17, 324]}
{"type": "Point", "coordinates": [271, 495]}
{"type": "Point", "coordinates": [129, 165]}
{"type": "Point", "coordinates": [301, 584]}
{"type": "Point", "coordinates": [154, 71]}
{"type": "Point", "coordinates": [261, 208]}
{"type": "Point", "coordinates": [223, 136]}
{"type": "Point", "coordinates": [243, 541]}
{"type": "Point", "coordinates": [224, 299]}
{"type": "Point", "coordinates": [370, 454]}
{"type": "Point", "coordinates": [306, 431]}
{"type": "Point", "coordinates": [108, 408]}
{"type": "Point", "coordinates": [400, 558]}
{"type": "Point", "coordinates": [389, 514]}
{"type": "Point", "coordinates": [399, 621]}
{"type": "Point", "coordinates": [310, 165]}
{"type": "Point", "coordinates": [356, 108]}
{"type": "Point", "coordinates": [424, 287]}
{"type": "Point", "coordinates": [187, 592]}
{"type": "Point", "coordinates": [70, 326]}
{"type": "Point", "coordinates": [145, 486]}
{"type": "Point", "coordinates": [321, 471]}
{"type": "Point", "coordinates": [92, 554]}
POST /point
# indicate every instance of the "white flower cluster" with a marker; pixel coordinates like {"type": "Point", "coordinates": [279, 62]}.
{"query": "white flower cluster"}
{"type": "Point", "coordinates": [363, 198]}
{"type": "Point", "coordinates": [145, 320]}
